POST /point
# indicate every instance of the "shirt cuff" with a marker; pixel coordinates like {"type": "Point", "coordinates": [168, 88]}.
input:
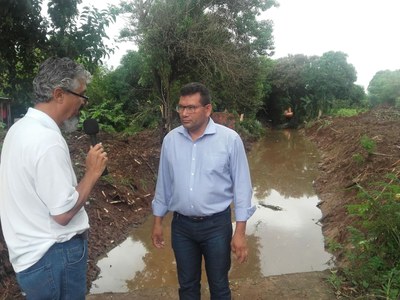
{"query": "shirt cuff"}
{"type": "Point", "coordinates": [243, 214]}
{"type": "Point", "coordinates": [159, 210]}
{"type": "Point", "coordinates": [69, 204]}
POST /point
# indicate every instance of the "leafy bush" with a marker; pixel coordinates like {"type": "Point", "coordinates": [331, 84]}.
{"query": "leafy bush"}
{"type": "Point", "coordinates": [347, 112]}
{"type": "Point", "coordinates": [148, 118]}
{"type": "Point", "coordinates": [368, 144]}
{"type": "Point", "coordinates": [110, 116]}
{"type": "Point", "coordinates": [358, 158]}
{"type": "Point", "coordinates": [347, 108]}
{"type": "Point", "coordinates": [251, 127]}
{"type": "Point", "coordinates": [375, 257]}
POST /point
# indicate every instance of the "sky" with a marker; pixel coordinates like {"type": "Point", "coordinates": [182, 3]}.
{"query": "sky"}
{"type": "Point", "coordinates": [367, 31]}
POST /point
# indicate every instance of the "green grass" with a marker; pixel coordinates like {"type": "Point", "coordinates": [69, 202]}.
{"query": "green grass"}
{"type": "Point", "coordinates": [347, 112]}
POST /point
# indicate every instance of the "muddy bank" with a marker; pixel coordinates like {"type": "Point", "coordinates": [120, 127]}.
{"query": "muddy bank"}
{"type": "Point", "coordinates": [310, 286]}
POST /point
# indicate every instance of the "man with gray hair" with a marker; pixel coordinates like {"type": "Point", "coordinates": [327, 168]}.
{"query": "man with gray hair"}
{"type": "Point", "coordinates": [43, 219]}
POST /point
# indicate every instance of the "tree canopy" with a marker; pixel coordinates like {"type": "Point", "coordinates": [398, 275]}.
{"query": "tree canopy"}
{"type": "Point", "coordinates": [384, 88]}
{"type": "Point", "coordinates": [215, 42]}
{"type": "Point", "coordinates": [221, 43]}
{"type": "Point", "coordinates": [27, 38]}
{"type": "Point", "coordinates": [310, 85]}
{"type": "Point", "coordinates": [22, 33]}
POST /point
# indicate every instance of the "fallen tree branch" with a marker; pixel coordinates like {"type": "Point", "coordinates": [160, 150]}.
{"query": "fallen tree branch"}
{"type": "Point", "coordinates": [147, 163]}
{"type": "Point", "coordinates": [382, 154]}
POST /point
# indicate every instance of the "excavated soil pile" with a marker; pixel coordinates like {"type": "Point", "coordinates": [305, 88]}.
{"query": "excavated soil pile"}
{"type": "Point", "coordinates": [346, 163]}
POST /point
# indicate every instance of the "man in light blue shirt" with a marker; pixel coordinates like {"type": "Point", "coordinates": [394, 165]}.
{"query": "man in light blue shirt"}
{"type": "Point", "coordinates": [203, 169]}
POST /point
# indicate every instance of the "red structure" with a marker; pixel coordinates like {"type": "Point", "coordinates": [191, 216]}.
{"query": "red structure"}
{"type": "Point", "coordinates": [5, 111]}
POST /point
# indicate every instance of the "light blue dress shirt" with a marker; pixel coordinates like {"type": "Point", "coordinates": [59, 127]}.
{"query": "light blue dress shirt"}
{"type": "Point", "coordinates": [203, 177]}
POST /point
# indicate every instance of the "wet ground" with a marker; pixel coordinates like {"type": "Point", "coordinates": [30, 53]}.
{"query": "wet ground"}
{"type": "Point", "coordinates": [297, 286]}
{"type": "Point", "coordinates": [283, 235]}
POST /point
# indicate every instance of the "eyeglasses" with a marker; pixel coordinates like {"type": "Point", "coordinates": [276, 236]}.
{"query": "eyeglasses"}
{"type": "Point", "coordinates": [76, 94]}
{"type": "Point", "coordinates": [190, 108]}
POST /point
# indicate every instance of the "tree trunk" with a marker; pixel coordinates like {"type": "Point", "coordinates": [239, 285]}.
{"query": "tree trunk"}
{"type": "Point", "coordinates": [166, 108]}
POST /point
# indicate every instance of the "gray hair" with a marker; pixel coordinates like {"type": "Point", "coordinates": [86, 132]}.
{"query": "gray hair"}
{"type": "Point", "coordinates": [55, 73]}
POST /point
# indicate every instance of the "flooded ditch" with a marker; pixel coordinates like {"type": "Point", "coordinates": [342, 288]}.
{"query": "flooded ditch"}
{"type": "Point", "coordinates": [284, 235]}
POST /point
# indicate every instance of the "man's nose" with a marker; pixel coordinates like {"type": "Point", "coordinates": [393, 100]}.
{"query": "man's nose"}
{"type": "Point", "coordinates": [84, 102]}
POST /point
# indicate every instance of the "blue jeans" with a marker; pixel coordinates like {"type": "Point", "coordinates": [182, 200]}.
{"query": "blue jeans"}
{"type": "Point", "coordinates": [209, 238]}
{"type": "Point", "coordinates": [59, 274]}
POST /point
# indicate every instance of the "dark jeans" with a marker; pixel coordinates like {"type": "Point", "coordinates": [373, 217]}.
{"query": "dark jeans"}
{"type": "Point", "coordinates": [194, 238]}
{"type": "Point", "coordinates": [59, 274]}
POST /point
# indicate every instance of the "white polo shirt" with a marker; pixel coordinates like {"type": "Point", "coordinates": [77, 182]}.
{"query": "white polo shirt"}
{"type": "Point", "coordinates": [37, 180]}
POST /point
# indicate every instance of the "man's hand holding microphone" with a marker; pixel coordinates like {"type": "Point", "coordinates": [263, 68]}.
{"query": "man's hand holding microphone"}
{"type": "Point", "coordinates": [96, 162]}
{"type": "Point", "coordinates": [96, 159]}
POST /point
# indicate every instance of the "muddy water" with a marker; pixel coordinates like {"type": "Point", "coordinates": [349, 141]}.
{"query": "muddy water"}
{"type": "Point", "coordinates": [283, 235]}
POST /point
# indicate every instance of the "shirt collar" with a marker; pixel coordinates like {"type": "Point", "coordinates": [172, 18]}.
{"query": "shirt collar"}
{"type": "Point", "coordinates": [210, 129]}
{"type": "Point", "coordinates": [43, 118]}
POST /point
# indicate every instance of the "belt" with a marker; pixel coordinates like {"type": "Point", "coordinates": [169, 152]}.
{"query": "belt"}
{"type": "Point", "coordinates": [201, 218]}
{"type": "Point", "coordinates": [84, 235]}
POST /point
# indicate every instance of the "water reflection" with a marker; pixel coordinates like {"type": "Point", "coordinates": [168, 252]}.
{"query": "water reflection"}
{"type": "Point", "coordinates": [148, 266]}
{"type": "Point", "coordinates": [119, 265]}
{"type": "Point", "coordinates": [283, 235]}
{"type": "Point", "coordinates": [284, 161]}
{"type": "Point", "coordinates": [289, 241]}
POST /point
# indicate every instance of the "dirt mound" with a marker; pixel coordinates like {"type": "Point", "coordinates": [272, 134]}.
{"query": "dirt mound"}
{"type": "Point", "coordinates": [348, 160]}
{"type": "Point", "coordinates": [122, 199]}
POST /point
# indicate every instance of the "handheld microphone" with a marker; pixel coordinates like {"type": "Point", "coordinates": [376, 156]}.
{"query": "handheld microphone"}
{"type": "Point", "coordinates": [91, 128]}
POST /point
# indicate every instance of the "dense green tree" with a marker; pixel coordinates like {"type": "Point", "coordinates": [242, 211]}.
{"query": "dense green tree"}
{"type": "Point", "coordinates": [310, 86]}
{"type": "Point", "coordinates": [357, 96]}
{"type": "Point", "coordinates": [125, 84]}
{"type": "Point", "coordinates": [27, 38]}
{"type": "Point", "coordinates": [331, 76]}
{"type": "Point", "coordinates": [384, 88]}
{"type": "Point", "coordinates": [288, 82]}
{"type": "Point", "coordinates": [79, 35]}
{"type": "Point", "coordinates": [122, 99]}
{"type": "Point", "coordinates": [216, 42]}
{"type": "Point", "coordinates": [22, 33]}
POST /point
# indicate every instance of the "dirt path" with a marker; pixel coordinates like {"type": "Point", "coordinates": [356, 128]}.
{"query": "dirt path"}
{"type": "Point", "coordinates": [310, 286]}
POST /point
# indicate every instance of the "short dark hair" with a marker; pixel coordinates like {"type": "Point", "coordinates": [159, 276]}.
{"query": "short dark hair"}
{"type": "Point", "coordinates": [196, 87]}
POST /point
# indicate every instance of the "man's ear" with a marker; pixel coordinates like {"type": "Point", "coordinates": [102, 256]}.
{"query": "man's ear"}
{"type": "Point", "coordinates": [58, 95]}
{"type": "Point", "coordinates": [209, 109]}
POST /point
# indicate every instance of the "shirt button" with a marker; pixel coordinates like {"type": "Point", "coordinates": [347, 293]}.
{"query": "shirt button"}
{"type": "Point", "coordinates": [191, 189]}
